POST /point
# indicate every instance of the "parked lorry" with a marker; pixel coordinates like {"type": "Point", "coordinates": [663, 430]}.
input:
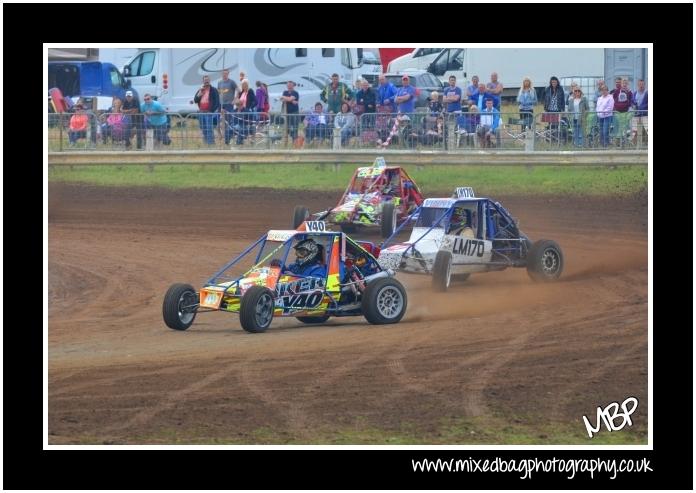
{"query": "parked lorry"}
{"type": "Point", "coordinates": [100, 80]}
{"type": "Point", "coordinates": [173, 75]}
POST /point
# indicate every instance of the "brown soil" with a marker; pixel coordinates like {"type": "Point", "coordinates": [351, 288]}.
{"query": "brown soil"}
{"type": "Point", "coordinates": [496, 345]}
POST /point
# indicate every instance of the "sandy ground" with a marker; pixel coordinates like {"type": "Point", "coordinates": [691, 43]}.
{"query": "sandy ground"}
{"type": "Point", "coordinates": [497, 345]}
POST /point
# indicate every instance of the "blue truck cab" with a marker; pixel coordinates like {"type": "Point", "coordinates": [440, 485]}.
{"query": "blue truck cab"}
{"type": "Point", "coordinates": [89, 79]}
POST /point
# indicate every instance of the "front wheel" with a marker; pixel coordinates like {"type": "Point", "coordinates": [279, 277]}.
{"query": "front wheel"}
{"type": "Point", "coordinates": [256, 310]}
{"type": "Point", "coordinates": [442, 271]}
{"type": "Point", "coordinates": [545, 261]}
{"type": "Point", "coordinates": [300, 215]}
{"type": "Point", "coordinates": [388, 219]}
{"type": "Point", "coordinates": [180, 306]}
{"type": "Point", "coordinates": [384, 301]}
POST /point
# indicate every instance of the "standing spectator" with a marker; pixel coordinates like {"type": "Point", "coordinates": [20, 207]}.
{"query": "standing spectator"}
{"type": "Point", "coordinates": [406, 96]}
{"type": "Point", "coordinates": [155, 118]}
{"type": "Point", "coordinates": [315, 124]}
{"type": "Point", "coordinates": [554, 99]}
{"type": "Point", "coordinates": [131, 107]}
{"type": "Point", "coordinates": [489, 125]}
{"type": "Point", "coordinates": [479, 99]}
{"type": "Point", "coordinates": [227, 90]}
{"type": "Point", "coordinates": [578, 108]}
{"type": "Point", "coordinates": [263, 106]}
{"type": "Point", "coordinates": [78, 125]}
{"type": "Point", "coordinates": [291, 107]}
{"type": "Point", "coordinates": [367, 98]}
{"type": "Point", "coordinates": [472, 90]}
{"type": "Point", "coordinates": [208, 101]}
{"type": "Point", "coordinates": [640, 104]}
{"type": "Point", "coordinates": [345, 123]}
{"type": "Point", "coordinates": [554, 103]}
{"type": "Point", "coordinates": [605, 113]}
{"type": "Point", "coordinates": [242, 76]}
{"type": "Point", "coordinates": [527, 99]}
{"type": "Point", "coordinates": [573, 86]}
{"type": "Point", "coordinates": [495, 87]}
{"type": "Point", "coordinates": [335, 94]}
{"type": "Point", "coordinates": [622, 95]}
{"type": "Point", "coordinates": [452, 96]}
{"type": "Point", "coordinates": [246, 107]}
{"type": "Point", "coordinates": [598, 91]}
{"type": "Point", "coordinates": [386, 94]}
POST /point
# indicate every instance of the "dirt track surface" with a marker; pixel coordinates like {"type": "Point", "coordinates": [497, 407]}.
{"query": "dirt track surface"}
{"type": "Point", "coordinates": [497, 346]}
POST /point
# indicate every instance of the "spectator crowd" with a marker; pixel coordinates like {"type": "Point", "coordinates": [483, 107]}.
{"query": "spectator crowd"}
{"type": "Point", "coordinates": [382, 116]}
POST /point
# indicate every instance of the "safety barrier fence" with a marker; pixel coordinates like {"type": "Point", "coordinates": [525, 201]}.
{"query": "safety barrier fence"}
{"type": "Point", "coordinates": [449, 132]}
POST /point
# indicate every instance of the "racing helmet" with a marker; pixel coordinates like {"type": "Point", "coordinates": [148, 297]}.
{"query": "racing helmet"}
{"type": "Point", "coordinates": [360, 261]}
{"type": "Point", "coordinates": [306, 252]}
{"type": "Point", "coordinates": [460, 217]}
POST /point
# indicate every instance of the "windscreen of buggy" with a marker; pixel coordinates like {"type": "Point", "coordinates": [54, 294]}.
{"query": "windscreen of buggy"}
{"type": "Point", "coordinates": [276, 250]}
{"type": "Point", "coordinates": [428, 216]}
{"type": "Point", "coordinates": [362, 184]}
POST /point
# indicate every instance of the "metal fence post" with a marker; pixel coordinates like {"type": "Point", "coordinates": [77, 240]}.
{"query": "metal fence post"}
{"type": "Point", "coordinates": [529, 137]}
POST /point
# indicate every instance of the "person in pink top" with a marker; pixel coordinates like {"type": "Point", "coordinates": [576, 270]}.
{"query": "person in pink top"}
{"type": "Point", "coordinates": [605, 114]}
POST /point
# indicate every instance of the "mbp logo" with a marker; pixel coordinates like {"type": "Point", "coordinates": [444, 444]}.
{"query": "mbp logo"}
{"type": "Point", "coordinates": [610, 414]}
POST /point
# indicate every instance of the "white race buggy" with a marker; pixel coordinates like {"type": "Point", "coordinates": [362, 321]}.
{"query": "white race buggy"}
{"type": "Point", "coordinates": [457, 236]}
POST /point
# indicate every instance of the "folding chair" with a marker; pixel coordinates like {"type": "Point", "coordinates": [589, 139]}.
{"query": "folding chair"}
{"type": "Point", "coordinates": [513, 129]}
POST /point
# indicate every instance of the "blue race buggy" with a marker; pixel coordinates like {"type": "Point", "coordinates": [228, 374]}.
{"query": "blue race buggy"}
{"type": "Point", "coordinates": [259, 286]}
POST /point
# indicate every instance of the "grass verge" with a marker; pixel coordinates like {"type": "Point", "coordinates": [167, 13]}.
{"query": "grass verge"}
{"type": "Point", "coordinates": [525, 180]}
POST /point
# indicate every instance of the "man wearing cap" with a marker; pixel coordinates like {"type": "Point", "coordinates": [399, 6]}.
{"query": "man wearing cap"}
{"type": "Point", "coordinates": [406, 96]}
{"type": "Point", "coordinates": [131, 107]}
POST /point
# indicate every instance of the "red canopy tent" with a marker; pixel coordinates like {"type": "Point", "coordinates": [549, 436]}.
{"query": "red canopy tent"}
{"type": "Point", "coordinates": [388, 54]}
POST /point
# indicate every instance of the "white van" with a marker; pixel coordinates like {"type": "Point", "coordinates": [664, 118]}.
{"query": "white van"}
{"type": "Point", "coordinates": [420, 59]}
{"type": "Point", "coordinates": [174, 74]}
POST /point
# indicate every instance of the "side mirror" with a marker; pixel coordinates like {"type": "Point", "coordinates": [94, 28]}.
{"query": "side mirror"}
{"type": "Point", "coordinates": [126, 70]}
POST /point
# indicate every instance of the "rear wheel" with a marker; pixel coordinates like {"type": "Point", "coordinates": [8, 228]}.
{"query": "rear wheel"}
{"type": "Point", "coordinates": [388, 219]}
{"type": "Point", "coordinates": [256, 310]}
{"type": "Point", "coordinates": [314, 320]}
{"type": "Point", "coordinates": [384, 301]}
{"type": "Point", "coordinates": [442, 271]}
{"type": "Point", "coordinates": [545, 261]}
{"type": "Point", "coordinates": [180, 306]}
{"type": "Point", "coordinates": [301, 215]}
